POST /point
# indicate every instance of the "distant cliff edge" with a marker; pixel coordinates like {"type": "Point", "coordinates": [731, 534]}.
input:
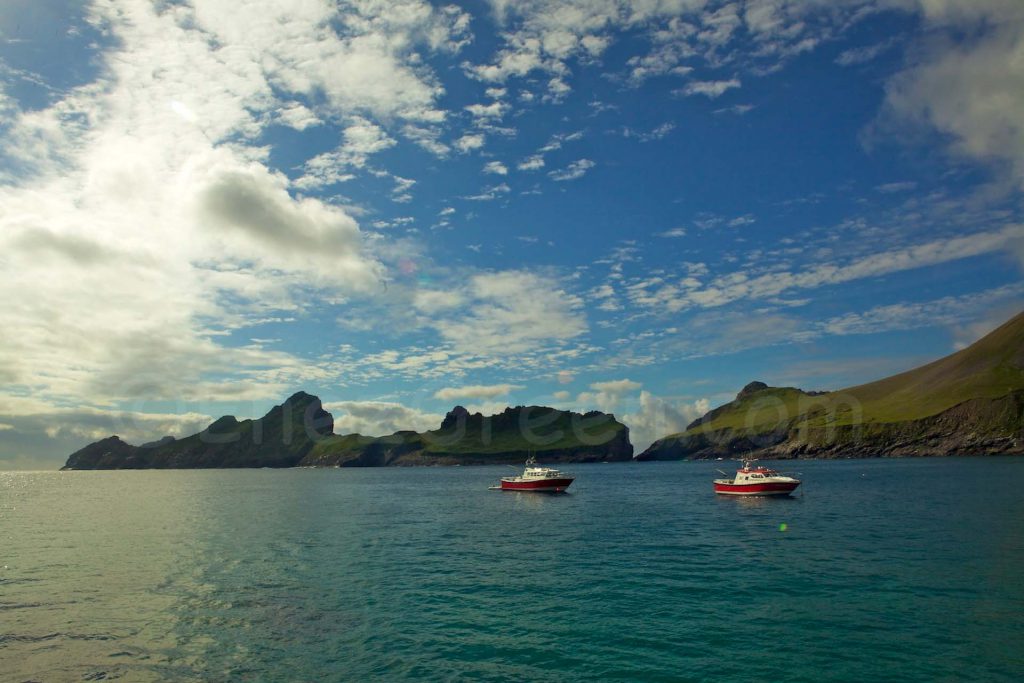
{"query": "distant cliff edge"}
{"type": "Point", "coordinates": [300, 433]}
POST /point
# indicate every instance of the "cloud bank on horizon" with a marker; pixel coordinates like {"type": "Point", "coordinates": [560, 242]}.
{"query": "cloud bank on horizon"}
{"type": "Point", "coordinates": [630, 206]}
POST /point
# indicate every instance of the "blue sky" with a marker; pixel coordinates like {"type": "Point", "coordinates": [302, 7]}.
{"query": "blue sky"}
{"type": "Point", "coordinates": [637, 207]}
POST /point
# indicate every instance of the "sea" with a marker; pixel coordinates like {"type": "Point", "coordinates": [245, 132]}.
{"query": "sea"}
{"type": "Point", "coordinates": [876, 570]}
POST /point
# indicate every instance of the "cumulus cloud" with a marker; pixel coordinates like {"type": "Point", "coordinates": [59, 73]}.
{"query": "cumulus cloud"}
{"type": "Point", "coordinates": [379, 418]}
{"type": "Point", "coordinates": [658, 417]}
{"type": "Point", "coordinates": [469, 142]}
{"type": "Point", "coordinates": [278, 230]}
{"type": "Point", "coordinates": [493, 110]}
{"type": "Point", "coordinates": [367, 66]}
{"type": "Point", "coordinates": [972, 90]}
{"type": "Point", "coordinates": [144, 222]}
{"type": "Point", "coordinates": [606, 396]}
{"type": "Point", "coordinates": [495, 167]}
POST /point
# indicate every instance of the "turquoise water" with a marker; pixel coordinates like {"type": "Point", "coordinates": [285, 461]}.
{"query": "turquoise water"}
{"type": "Point", "coordinates": [908, 570]}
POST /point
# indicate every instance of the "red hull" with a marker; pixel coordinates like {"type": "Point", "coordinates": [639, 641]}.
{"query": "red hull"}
{"type": "Point", "coordinates": [762, 489]}
{"type": "Point", "coordinates": [540, 485]}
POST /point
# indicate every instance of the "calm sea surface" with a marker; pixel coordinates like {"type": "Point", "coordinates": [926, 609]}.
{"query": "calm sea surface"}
{"type": "Point", "coordinates": [888, 570]}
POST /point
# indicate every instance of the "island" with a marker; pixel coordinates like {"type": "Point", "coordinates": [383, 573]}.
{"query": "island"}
{"type": "Point", "coordinates": [968, 403]}
{"type": "Point", "coordinates": [300, 433]}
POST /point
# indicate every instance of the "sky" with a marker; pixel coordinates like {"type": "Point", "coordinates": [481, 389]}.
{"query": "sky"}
{"type": "Point", "coordinates": [636, 207]}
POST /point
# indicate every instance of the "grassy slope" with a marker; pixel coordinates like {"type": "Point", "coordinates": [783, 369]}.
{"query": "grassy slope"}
{"type": "Point", "coordinates": [990, 368]}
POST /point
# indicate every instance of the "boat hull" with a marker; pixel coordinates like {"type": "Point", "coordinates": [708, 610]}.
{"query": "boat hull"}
{"type": "Point", "coordinates": [538, 485]}
{"type": "Point", "coordinates": [767, 488]}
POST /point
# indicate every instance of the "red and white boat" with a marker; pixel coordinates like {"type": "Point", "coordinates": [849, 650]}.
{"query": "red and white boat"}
{"type": "Point", "coordinates": [751, 480]}
{"type": "Point", "coordinates": [536, 478]}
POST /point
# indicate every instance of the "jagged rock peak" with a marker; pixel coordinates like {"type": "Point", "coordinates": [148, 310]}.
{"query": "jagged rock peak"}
{"type": "Point", "coordinates": [454, 415]}
{"type": "Point", "coordinates": [751, 388]}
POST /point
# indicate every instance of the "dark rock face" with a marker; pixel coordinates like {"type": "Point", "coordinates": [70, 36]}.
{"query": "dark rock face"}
{"type": "Point", "coordinates": [454, 416]}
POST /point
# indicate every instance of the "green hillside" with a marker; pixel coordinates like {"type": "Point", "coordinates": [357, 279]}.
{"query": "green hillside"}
{"type": "Point", "coordinates": [991, 367]}
{"type": "Point", "coordinates": [984, 381]}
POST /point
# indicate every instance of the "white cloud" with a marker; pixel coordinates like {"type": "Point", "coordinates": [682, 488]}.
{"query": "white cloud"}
{"type": "Point", "coordinates": [469, 142]}
{"type": "Point", "coordinates": [490, 193]}
{"type": "Point", "coordinates": [606, 396]}
{"type": "Point", "coordinates": [972, 90]}
{"type": "Point", "coordinates": [379, 418]}
{"type": "Point", "coordinates": [400, 192]}
{"type": "Point", "coordinates": [296, 115]}
{"type": "Point", "coordinates": [1000, 303]}
{"type": "Point", "coordinates": [360, 139]}
{"type": "Point", "coordinates": [576, 169]}
{"type": "Point", "coordinates": [368, 66]}
{"type": "Point", "coordinates": [738, 109]}
{"type": "Point", "coordinates": [655, 134]}
{"type": "Point", "coordinates": [476, 391]}
{"type": "Point", "coordinates": [495, 167]}
{"type": "Point", "coordinates": [508, 315]}
{"type": "Point", "coordinates": [149, 224]}
{"type": "Point", "coordinates": [710, 89]}
{"type": "Point", "coordinates": [427, 137]}
{"type": "Point", "coordinates": [674, 232]}
{"type": "Point", "coordinates": [431, 301]}
{"type": "Point", "coordinates": [658, 417]}
{"type": "Point", "coordinates": [494, 110]}
{"type": "Point", "coordinates": [531, 163]}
